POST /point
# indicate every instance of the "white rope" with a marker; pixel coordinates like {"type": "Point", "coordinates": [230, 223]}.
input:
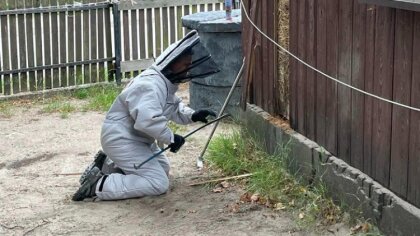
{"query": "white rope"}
{"type": "Point", "coordinates": [320, 72]}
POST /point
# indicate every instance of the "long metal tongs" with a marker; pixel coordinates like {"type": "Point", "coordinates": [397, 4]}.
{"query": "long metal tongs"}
{"type": "Point", "coordinates": [186, 136]}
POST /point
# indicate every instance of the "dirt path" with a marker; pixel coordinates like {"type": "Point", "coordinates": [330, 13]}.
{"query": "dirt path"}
{"type": "Point", "coordinates": [36, 149]}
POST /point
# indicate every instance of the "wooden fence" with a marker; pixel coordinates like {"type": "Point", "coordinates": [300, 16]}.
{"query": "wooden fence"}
{"type": "Point", "coordinates": [262, 87]}
{"type": "Point", "coordinates": [47, 44]}
{"type": "Point", "coordinates": [373, 48]}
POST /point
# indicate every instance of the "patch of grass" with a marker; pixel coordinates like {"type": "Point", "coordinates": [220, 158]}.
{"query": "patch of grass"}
{"type": "Point", "coordinates": [100, 97]}
{"type": "Point", "coordinates": [238, 153]}
{"type": "Point", "coordinates": [5, 109]}
{"type": "Point", "coordinates": [59, 105]}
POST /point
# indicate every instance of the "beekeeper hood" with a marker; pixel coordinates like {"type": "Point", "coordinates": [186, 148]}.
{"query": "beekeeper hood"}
{"type": "Point", "coordinates": [201, 64]}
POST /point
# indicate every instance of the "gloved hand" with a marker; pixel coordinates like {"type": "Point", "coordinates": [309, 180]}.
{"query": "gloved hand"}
{"type": "Point", "coordinates": [177, 144]}
{"type": "Point", "coordinates": [201, 115]}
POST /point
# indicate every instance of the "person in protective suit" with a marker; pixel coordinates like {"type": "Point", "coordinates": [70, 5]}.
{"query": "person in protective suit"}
{"type": "Point", "coordinates": [138, 118]}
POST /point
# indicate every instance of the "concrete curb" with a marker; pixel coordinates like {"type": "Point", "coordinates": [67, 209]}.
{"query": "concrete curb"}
{"type": "Point", "coordinates": [391, 214]}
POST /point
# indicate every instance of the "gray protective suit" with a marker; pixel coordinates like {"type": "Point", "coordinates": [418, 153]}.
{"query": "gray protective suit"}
{"type": "Point", "coordinates": [138, 118]}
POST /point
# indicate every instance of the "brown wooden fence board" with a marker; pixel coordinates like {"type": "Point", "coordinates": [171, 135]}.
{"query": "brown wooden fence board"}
{"type": "Point", "coordinates": [413, 194]}
{"type": "Point", "coordinates": [293, 63]}
{"type": "Point", "coordinates": [272, 49]}
{"type": "Point", "coordinates": [332, 66]}
{"type": "Point", "coordinates": [14, 47]}
{"type": "Point", "coordinates": [369, 82]}
{"type": "Point", "coordinates": [264, 59]}
{"type": "Point", "coordinates": [86, 46]}
{"type": "Point", "coordinates": [101, 45]}
{"type": "Point", "coordinates": [108, 43]}
{"type": "Point", "coordinates": [38, 51]}
{"type": "Point", "coordinates": [93, 45]}
{"type": "Point", "coordinates": [401, 93]}
{"type": "Point", "coordinates": [344, 75]}
{"type": "Point", "coordinates": [78, 46]}
{"type": "Point", "coordinates": [24, 83]}
{"type": "Point", "coordinates": [62, 56]}
{"type": "Point", "coordinates": [142, 32]}
{"type": "Point", "coordinates": [381, 141]}
{"type": "Point", "coordinates": [54, 49]}
{"type": "Point", "coordinates": [30, 39]}
{"type": "Point", "coordinates": [125, 42]}
{"type": "Point", "coordinates": [358, 80]}
{"type": "Point", "coordinates": [301, 69]}
{"type": "Point", "coordinates": [149, 34]}
{"type": "Point", "coordinates": [321, 62]}
{"type": "Point", "coordinates": [6, 54]}
{"type": "Point", "coordinates": [47, 46]}
{"type": "Point", "coordinates": [158, 33]}
{"type": "Point", "coordinates": [172, 25]}
{"type": "Point", "coordinates": [310, 74]}
{"type": "Point", "coordinates": [71, 55]}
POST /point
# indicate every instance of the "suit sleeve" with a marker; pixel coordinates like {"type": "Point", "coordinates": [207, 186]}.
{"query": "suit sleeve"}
{"type": "Point", "coordinates": [182, 114]}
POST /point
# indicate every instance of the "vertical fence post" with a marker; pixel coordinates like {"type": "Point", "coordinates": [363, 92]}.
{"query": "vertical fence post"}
{"type": "Point", "coordinates": [117, 40]}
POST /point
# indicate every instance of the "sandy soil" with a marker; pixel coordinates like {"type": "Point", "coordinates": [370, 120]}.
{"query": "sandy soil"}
{"type": "Point", "coordinates": [39, 152]}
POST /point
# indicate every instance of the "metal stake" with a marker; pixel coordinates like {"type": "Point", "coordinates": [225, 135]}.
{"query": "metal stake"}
{"type": "Point", "coordinates": [235, 83]}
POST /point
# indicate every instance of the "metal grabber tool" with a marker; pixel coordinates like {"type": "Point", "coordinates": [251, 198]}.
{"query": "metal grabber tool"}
{"type": "Point", "coordinates": [186, 136]}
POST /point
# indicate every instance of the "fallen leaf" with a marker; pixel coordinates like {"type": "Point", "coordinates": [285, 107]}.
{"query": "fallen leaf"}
{"type": "Point", "coordinates": [301, 215]}
{"type": "Point", "coordinates": [279, 206]}
{"type": "Point", "coordinates": [292, 203]}
{"type": "Point", "coordinates": [356, 229]}
{"type": "Point", "coordinates": [246, 197]}
{"type": "Point", "coordinates": [225, 184]}
{"type": "Point", "coordinates": [217, 190]}
{"type": "Point", "coordinates": [365, 228]}
{"type": "Point", "coordinates": [255, 197]}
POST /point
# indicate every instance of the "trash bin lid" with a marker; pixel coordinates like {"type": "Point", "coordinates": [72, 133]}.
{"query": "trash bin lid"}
{"type": "Point", "coordinates": [213, 21]}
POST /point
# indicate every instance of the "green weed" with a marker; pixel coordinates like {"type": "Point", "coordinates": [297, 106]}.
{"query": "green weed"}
{"type": "Point", "coordinates": [5, 109]}
{"type": "Point", "coordinates": [238, 153]}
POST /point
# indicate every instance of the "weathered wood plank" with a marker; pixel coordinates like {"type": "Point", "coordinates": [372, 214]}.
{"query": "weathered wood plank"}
{"type": "Point", "coordinates": [24, 83]}
{"type": "Point", "coordinates": [62, 45]}
{"type": "Point", "coordinates": [101, 45]}
{"type": "Point", "coordinates": [142, 33]}
{"type": "Point", "coordinates": [93, 45]}
{"type": "Point", "coordinates": [401, 93]}
{"type": "Point", "coordinates": [263, 81]}
{"type": "Point", "coordinates": [78, 46]}
{"type": "Point", "coordinates": [358, 80]}
{"type": "Point", "coordinates": [47, 46]}
{"type": "Point", "coordinates": [71, 50]}
{"type": "Point", "coordinates": [321, 64]}
{"type": "Point", "coordinates": [344, 75]}
{"type": "Point", "coordinates": [310, 74]}
{"type": "Point", "coordinates": [30, 39]}
{"type": "Point", "coordinates": [14, 48]}
{"type": "Point", "coordinates": [332, 70]}
{"type": "Point", "coordinates": [293, 35]}
{"type": "Point", "coordinates": [86, 47]}
{"type": "Point", "coordinates": [40, 81]}
{"type": "Point", "coordinates": [56, 80]}
{"type": "Point", "coordinates": [413, 194]}
{"type": "Point", "coordinates": [382, 111]}
{"type": "Point", "coordinates": [301, 69]}
{"type": "Point", "coordinates": [369, 82]}
{"type": "Point", "coordinates": [6, 54]}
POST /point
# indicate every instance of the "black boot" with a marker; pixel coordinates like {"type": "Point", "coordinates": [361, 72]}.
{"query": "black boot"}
{"type": "Point", "coordinates": [98, 161]}
{"type": "Point", "coordinates": [87, 190]}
